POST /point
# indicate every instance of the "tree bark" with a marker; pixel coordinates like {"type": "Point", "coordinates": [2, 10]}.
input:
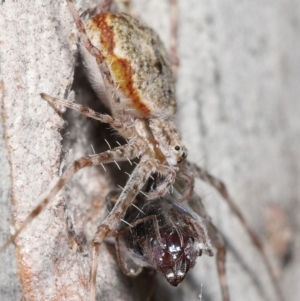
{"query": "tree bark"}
{"type": "Point", "coordinates": [238, 112]}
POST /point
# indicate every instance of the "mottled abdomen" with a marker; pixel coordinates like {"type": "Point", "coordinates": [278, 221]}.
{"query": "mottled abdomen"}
{"type": "Point", "coordinates": [140, 77]}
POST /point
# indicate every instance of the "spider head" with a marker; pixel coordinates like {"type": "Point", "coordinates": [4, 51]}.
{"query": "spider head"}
{"type": "Point", "coordinates": [168, 141]}
{"type": "Point", "coordinates": [178, 153]}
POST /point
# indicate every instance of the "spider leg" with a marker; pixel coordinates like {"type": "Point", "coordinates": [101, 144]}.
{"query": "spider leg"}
{"type": "Point", "coordinates": [219, 244]}
{"type": "Point", "coordinates": [117, 154]}
{"type": "Point", "coordinates": [136, 181]}
{"type": "Point", "coordinates": [153, 218]}
{"type": "Point", "coordinates": [83, 110]}
{"type": "Point", "coordinates": [162, 188]}
{"type": "Point", "coordinates": [86, 41]}
{"type": "Point", "coordinates": [221, 188]}
{"type": "Point", "coordinates": [188, 190]}
{"type": "Point", "coordinates": [128, 272]}
{"type": "Point", "coordinates": [124, 231]}
{"type": "Point", "coordinates": [150, 282]}
{"type": "Point", "coordinates": [73, 237]}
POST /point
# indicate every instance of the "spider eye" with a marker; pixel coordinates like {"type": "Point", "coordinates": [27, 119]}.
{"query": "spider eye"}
{"type": "Point", "coordinates": [177, 148]}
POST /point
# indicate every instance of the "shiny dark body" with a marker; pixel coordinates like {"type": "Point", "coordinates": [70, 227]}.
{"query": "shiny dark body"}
{"type": "Point", "coordinates": [161, 234]}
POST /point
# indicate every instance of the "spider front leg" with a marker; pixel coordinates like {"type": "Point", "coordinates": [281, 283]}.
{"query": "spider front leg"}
{"type": "Point", "coordinates": [83, 110]}
{"type": "Point", "coordinates": [134, 184]}
{"type": "Point", "coordinates": [120, 153]}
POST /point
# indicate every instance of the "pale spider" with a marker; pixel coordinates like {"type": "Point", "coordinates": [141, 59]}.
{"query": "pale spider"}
{"type": "Point", "coordinates": [151, 134]}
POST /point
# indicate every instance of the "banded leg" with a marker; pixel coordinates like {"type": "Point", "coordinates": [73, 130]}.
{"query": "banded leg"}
{"type": "Point", "coordinates": [221, 188]}
{"type": "Point", "coordinates": [135, 183]}
{"type": "Point", "coordinates": [117, 154]}
{"type": "Point", "coordinates": [85, 39]}
{"type": "Point", "coordinates": [84, 111]}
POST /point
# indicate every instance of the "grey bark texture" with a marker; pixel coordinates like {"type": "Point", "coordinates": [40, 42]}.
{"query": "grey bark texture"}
{"type": "Point", "coordinates": [238, 111]}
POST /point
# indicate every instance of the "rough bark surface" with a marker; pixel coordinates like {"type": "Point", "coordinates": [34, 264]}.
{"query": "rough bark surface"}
{"type": "Point", "coordinates": [238, 111]}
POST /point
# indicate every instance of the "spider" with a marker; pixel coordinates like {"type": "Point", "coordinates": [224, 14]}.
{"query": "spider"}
{"type": "Point", "coordinates": [164, 154]}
